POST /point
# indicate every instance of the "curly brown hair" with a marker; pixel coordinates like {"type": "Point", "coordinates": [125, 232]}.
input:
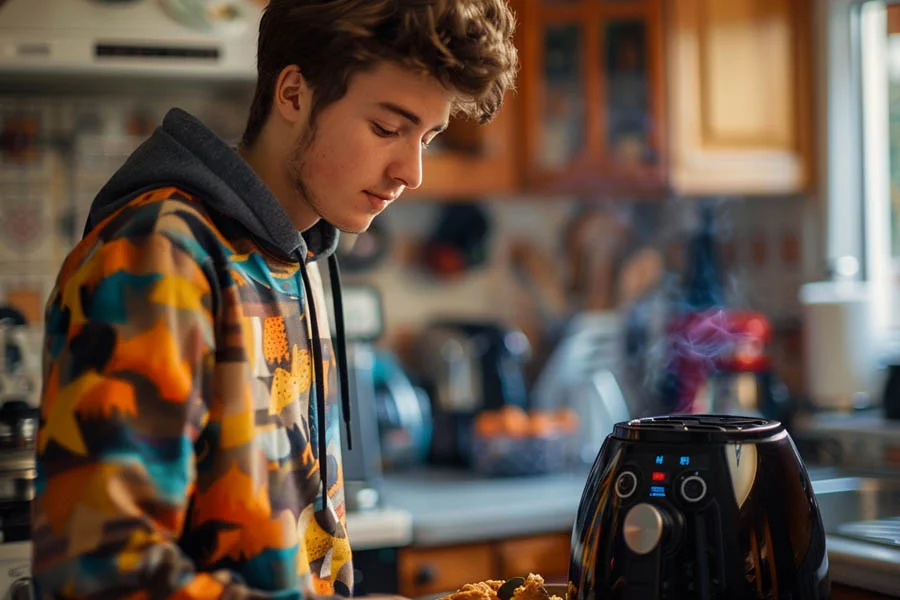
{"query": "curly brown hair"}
{"type": "Point", "coordinates": [467, 45]}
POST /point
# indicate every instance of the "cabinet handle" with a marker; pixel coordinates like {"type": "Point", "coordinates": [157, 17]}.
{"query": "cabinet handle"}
{"type": "Point", "coordinates": [425, 575]}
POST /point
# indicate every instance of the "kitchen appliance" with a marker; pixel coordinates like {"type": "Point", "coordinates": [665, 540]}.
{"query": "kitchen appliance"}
{"type": "Point", "coordinates": [362, 469]}
{"type": "Point", "coordinates": [206, 39]}
{"type": "Point", "coordinates": [840, 363]}
{"type": "Point", "coordinates": [890, 398]}
{"type": "Point", "coordinates": [19, 415]}
{"type": "Point", "coordinates": [581, 373]}
{"type": "Point", "coordinates": [467, 367]}
{"type": "Point", "coordinates": [19, 376]}
{"type": "Point", "coordinates": [711, 350]}
{"type": "Point", "coordinates": [20, 358]}
{"type": "Point", "coordinates": [404, 415]}
{"type": "Point", "coordinates": [735, 375]}
{"type": "Point", "coordinates": [15, 572]}
{"type": "Point", "coordinates": [699, 507]}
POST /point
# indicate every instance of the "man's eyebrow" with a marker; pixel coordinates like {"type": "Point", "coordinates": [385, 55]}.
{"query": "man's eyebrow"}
{"type": "Point", "coordinates": [409, 116]}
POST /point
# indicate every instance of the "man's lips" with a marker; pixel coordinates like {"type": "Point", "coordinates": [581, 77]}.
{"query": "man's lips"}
{"type": "Point", "coordinates": [378, 201]}
{"type": "Point", "coordinates": [386, 198]}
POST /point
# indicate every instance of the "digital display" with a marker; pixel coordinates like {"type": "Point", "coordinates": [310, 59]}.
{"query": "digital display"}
{"type": "Point", "coordinates": [673, 461]}
{"type": "Point", "coordinates": [658, 491]}
{"type": "Point", "coordinates": [659, 477]}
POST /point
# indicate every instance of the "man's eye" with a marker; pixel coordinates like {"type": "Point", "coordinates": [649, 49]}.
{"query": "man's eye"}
{"type": "Point", "coordinates": [381, 131]}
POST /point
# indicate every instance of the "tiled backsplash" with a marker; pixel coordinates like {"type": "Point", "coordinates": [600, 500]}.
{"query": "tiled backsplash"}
{"type": "Point", "coordinates": [766, 246]}
{"type": "Point", "coordinates": [57, 152]}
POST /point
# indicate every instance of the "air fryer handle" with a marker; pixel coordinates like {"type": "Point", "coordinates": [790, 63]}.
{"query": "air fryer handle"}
{"type": "Point", "coordinates": [646, 529]}
{"type": "Point", "coordinates": [702, 558]}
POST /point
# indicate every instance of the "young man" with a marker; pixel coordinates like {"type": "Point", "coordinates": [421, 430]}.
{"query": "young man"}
{"type": "Point", "coordinates": [189, 444]}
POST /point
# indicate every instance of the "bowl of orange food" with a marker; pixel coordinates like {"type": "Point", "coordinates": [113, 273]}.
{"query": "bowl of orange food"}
{"type": "Point", "coordinates": [510, 441]}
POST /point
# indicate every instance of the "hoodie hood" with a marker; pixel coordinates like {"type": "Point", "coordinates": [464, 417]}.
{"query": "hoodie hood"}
{"type": "Point", "coordinates": [184, 153]}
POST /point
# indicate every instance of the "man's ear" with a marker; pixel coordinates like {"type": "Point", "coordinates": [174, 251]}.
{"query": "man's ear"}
{"type": "Point", "coordinates": [292, 94]}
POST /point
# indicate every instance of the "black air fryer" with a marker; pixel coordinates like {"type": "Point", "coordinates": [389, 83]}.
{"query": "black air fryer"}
{"type": "Point", "coordinates": [698, 507]}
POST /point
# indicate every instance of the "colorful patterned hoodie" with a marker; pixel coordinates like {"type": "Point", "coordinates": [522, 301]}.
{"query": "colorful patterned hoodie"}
{"type": "Point", "coordinates": [189, 391]}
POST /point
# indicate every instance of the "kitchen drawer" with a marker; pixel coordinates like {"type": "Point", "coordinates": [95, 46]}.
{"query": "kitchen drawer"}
{"type": "Point", "coordinates": [433, 570]}
{"type": "Point", "coordinates": [547, 555]}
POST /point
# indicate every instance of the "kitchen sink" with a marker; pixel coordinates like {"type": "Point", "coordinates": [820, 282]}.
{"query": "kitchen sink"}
{"type": "Point", "coordinates": [861, 507]}
{"type": "Point", "coordinates": [861, 515]}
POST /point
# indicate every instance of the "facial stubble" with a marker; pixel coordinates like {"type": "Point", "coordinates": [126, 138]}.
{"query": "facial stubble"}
{"type": "Point", "coordinates": [297, 166]}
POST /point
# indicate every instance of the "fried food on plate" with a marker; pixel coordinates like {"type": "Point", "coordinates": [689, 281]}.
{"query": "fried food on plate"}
{"type": "Point", "coordinates": [531, 589]}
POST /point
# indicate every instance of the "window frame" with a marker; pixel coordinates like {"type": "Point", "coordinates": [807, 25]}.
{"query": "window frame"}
{"type": "Point", "coordinates": [854, 156]}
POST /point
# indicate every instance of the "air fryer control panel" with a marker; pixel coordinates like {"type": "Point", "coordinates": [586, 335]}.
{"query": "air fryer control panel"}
{"type": "Point", "coordinates": [670, 474]}
{"type": "Point", "coordinates": [668, 522]}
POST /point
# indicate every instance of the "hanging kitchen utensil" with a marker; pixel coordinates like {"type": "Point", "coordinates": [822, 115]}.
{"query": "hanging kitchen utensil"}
{"type": "Point", "coordinates": [594, 241]}
{"type": "Point", "coordinates": [459, 241]}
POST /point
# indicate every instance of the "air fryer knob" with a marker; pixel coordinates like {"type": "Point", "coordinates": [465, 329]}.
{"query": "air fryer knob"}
{"type": "Point", "coordinates": [693, 489]}
{"type": "Point", "coordinates": [645, 528]}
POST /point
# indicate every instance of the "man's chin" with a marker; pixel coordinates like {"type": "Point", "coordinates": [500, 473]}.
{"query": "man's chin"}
{"type": "Point", "coordinates": [356, 227]}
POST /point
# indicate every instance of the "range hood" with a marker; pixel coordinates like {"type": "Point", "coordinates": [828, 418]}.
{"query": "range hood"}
{"type": "Point", "coordinates": [206, 39]}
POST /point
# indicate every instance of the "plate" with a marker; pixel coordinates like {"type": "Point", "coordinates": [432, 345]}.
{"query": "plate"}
{"type": "Point", "coordinates": [555, 589]}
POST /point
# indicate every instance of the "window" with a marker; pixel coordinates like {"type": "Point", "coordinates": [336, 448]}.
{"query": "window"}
{"type": "Point", "coordinates": [860, 91]}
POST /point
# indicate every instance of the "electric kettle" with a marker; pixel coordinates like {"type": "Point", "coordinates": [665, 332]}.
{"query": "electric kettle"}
{"type": "Point", "coordinates": [699, 507]}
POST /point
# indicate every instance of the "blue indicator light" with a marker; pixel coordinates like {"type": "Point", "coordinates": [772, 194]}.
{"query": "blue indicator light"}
{"type": "Point", "coordinates": [657, 491]}
{"type": "Point", "coordinates": [684, 461]}
{"type": "Point", "coordinates": [659, 459]}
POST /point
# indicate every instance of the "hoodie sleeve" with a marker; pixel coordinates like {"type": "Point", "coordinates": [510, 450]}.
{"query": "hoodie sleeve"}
{"type": "Point", "coordinates": [128, 358]}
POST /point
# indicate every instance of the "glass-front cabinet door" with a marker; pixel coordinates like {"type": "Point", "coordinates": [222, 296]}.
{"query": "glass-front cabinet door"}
{"type": "Point", "coordinates": [593, 95]}
{"type": "Point", "coordinates": [628, 95]}
{"type": "Point", "coordinates": [563, 111]}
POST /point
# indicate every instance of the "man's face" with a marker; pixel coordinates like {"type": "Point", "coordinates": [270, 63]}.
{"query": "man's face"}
{"type": "Point", "coordinates": [363, 150]}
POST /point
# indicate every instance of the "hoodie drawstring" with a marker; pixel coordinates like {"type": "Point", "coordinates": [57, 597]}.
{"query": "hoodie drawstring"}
{"type": "Point", "coordinates": [320, 382]}
{"type": "Point", "coordinates": [334, 273]}
{"type": "Point", "coordinates": [340, 346]}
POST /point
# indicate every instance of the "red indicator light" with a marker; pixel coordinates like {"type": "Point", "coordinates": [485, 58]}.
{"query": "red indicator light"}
{"type": "Point", "coordinates": [658, 476]}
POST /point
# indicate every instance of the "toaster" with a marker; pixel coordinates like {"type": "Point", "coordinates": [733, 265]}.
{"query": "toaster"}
{"type": "Point", "coordinates": [699, 507]}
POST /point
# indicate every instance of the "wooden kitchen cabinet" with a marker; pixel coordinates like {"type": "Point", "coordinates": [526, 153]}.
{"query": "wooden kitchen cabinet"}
{"type": "Point", "coordinates": [435, 570]}
{"type": "Point", "coordinates": [592, 96]}
{"type": "Point", "coordinates": [631, 98]}
{"type": "Point", "coordinates": [470, 160]}
{"type": "Point", "coordinates": [739, 90]}
{"type": "Point", "coordinates": [424, 571]}
{"type": "Point", "coordinates": [547, 555]}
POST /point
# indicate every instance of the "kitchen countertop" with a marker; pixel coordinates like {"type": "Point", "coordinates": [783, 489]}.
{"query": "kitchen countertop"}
{"type": "Point", "coordinates": [870, 422]}
{"type": "Point", "coordinates": [865, 566]}
{"type": "Point", "coordinates": [456, 507]}
{"type": "Point", "coordinates": [453, 507]}
{"type": "Point", "coordinates": [381, 528]}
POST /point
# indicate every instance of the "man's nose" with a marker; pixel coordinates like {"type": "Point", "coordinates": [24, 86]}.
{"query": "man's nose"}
{"type": "Point", "coordinates": [407, 168]}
